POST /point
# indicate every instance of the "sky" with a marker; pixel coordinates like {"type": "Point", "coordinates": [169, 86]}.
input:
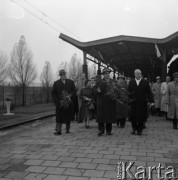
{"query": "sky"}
{"type": "Point", "coordinates": [84, 20]}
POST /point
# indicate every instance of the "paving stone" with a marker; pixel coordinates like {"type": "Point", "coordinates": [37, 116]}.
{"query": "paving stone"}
{"type": "Point", "coordinates": [34, 156]}
{"type": "Point", "coordinates": [94, 173]}
{"type": "Point", "coordinates": [37, 169]}
{"type": "Point", "coordinates": [34, 162]}
{"type": "Point", "coordinates": [54, 170]}
{"type": "Point", "coordinates": [110, 174]}
{"type": "Point", "coordinates": [101, 161]}
{"type": "Point", "coordinates": [69, 164]}
{"type": "Point", "coordinates": [78, 178]}
{"type": "Point", "coordinates": [51, 163]}
{"type": "Point", "coordinates": [16, 175]}
{"type": "Point", "coordinates": [87, 166]}
{"type": "Point", "coordinates": [55, 177]}
{"type": "Point", "coordinates": [34, 176]}
{"type": "Point", "coordinates": [83, 160]}
{"type": "Point", "coordinates": [69, 159]}
{"type": "Point", "coordinates": [73, 172]}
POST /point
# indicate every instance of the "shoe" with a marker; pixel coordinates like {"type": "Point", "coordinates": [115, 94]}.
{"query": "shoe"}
{"type": "Point", "coordinates": [108, 133]}
{"type": "Point", "coordinates": [139, 133]}
{"type": "Point", "coordinates": [122, 126]}
{"type": "Point", "coordinates": [79, 122]}
{"type": "Point", "coordinates": [67, 132]}
{"type": "Point", "coordinates": [174, 127]}
{"type": "Point", "coordinates": [57, 133]}
{"type": "Point", "coordinates": [100, 133]}
{"type": "Point", "coordinates": [133, 132]}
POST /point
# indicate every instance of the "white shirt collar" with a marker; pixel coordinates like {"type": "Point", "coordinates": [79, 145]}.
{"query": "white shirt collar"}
{"type": "Point", "coordinates": [138, 81]}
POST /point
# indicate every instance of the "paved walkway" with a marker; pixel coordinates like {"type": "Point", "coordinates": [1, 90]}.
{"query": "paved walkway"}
{"type": "Point", "coordinates": [32, 151]}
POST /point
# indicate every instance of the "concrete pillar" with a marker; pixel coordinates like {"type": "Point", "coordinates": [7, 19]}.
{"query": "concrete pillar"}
{"type": "Point", "coordinates": [85, 66]}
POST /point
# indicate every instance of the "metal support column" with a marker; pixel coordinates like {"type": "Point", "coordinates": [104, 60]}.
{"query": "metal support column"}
{"type": "Point", "coordinates": [99, 68]}
{"type": "Point", "coordinates": [85, 66]}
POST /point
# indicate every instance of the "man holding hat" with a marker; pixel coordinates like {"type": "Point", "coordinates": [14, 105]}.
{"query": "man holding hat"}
{"type": "Point", "coordinates": [106, 106]}
{"type": "Point", "coordinates": [172, 100]}
{"type": "Point", "coordinates": [62, 93]}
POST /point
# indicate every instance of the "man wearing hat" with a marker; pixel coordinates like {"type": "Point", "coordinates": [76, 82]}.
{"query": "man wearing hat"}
{"type": "Point", "coordinates": [172, 100]}
{"type": "Point", "coordinates": [62, 93]}
{"type": "Point", "coordinates": [106, 106]}
{"type": "Point", "coordinates": [156, 89]}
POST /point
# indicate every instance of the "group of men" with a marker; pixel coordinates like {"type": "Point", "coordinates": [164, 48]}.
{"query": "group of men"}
{"type": "Point", "coordinates": [139, 92]}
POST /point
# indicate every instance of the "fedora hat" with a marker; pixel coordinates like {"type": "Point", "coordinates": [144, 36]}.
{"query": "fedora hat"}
{"type": "Point", "coordinates": [121, 76]}
{"type": "Point", "coordinates": [106, 70]}
{"type": "Point", "coordinates": [62, 72]}
{"type": "Point", "coordinates": [158, 77]}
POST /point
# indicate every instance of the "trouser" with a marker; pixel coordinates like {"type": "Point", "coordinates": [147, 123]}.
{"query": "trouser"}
{"type": "Point", "coordinates": [137, 126]}
{"type": "Point", "coordinates": [174, 123]}
{"type": "Point", "coordinates": [121, 122]}
{"type": "Point", "coordinates": [59, 127]}
{"type": "Point", "coordinates": [102, 126]}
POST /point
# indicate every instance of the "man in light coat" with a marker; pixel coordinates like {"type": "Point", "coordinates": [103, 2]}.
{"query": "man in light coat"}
{"type": "Point", "coordinates": [164, 106]}
{"type": "Point", "coordinates": [156, 89]}
{"type": "Point", "coordinates": [172, 100]}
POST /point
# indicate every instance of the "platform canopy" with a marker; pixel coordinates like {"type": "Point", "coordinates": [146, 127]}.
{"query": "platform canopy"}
{"type": "Point", "coordinates": [127, 53]}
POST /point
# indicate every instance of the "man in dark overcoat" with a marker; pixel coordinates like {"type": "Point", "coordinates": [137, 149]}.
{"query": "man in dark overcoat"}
{"type": "Point", "coordinates": [63, 89]}
{"type": "Point", "coordinates": [140, 92]}
{"type": "Point", "coordinates": [106, 106]}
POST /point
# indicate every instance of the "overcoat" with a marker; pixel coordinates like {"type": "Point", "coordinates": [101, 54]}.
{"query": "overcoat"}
{"type": "Point", "coordinates": [106, 106]}
{"type": "Point", "coordinates": [122, 108]}
{"type": "Point", "coordinates": [156, 89]}
{"type": "Point", "coordinates": [63, 115]}
{"type": "Point", "coordinates": [84, 108]}
{"type": "Point", "coordinates": [139, 94]}
{"type": "Point", "coordinates": [164, 106]}
{"type": "Point", "coordinates": [172, 99]}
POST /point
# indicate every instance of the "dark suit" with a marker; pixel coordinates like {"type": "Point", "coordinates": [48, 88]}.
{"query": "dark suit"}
{"type": "Point", "coordinates": [138, 97]}
{"type": "Point", "coordinates": [63, 115]}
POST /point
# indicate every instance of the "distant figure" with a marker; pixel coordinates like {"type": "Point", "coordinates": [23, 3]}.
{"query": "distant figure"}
{"type": "Point", "coordinates": [76, 105]}
{"type": "Point", "coordinates": [81, 84]}
{"type": "Point", "coordinates": [62, 93]}
{"type": "Point", "coordinates": [172, 100]}
{"type": "Point", "coordinates": [156, 89]}
{"type": "Point", "coordinates": [139, 92]}
{"type": "Point", "coordinates": [164, 106]}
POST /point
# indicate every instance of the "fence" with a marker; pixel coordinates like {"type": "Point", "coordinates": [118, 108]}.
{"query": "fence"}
{"type": "Point", "coordinates": [33, 95]}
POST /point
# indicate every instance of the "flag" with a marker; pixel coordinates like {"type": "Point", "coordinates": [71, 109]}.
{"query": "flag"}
{"type": "Point", "coordinates": [157, 51]}
{"type": "Point", "coordinates": [100, 55]}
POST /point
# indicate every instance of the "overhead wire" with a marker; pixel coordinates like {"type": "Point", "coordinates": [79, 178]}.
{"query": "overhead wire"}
{"type": "Point", "coordinates": [42, 19]}
{"type": "Point", "coordinates": [52, 19]}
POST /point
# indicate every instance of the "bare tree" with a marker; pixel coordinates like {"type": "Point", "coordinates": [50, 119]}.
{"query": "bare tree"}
{"type": "Point", "coordinates": [3, 66]}
{"type": "Point", "coordinates": [75, 66]}
{"type": "Point", "coordinates": [22, 70]}
{"type": "Point", "coordinates": [46, 78]}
